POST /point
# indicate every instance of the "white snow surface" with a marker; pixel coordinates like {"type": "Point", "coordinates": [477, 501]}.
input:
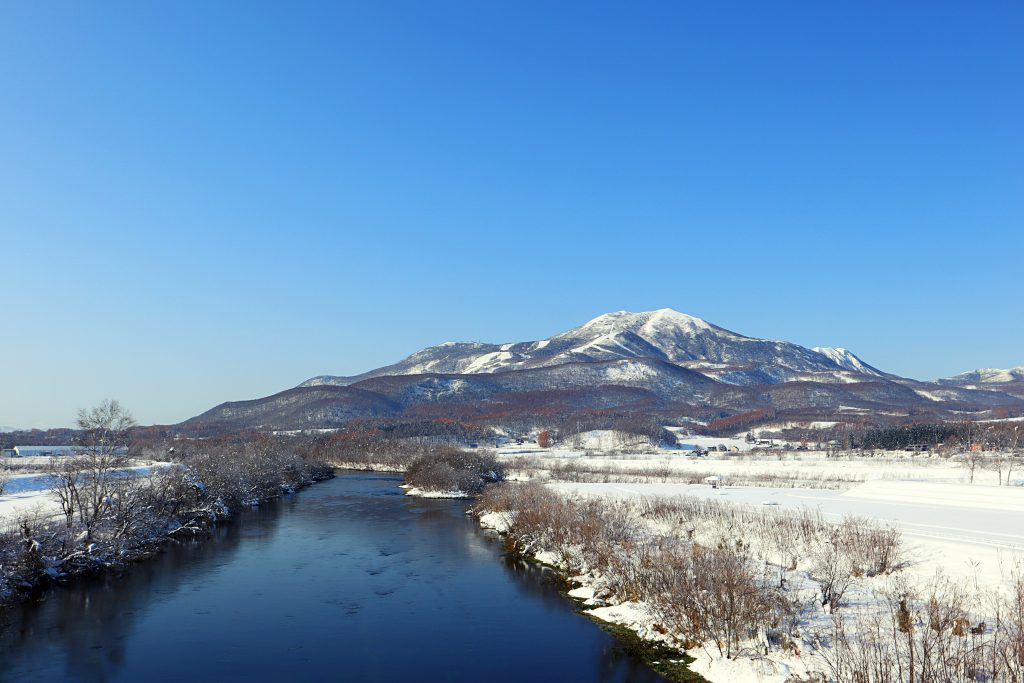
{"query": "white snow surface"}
{"type": "Point", "coordinates": [968, 531]}
{"type": "Point", "coordinates": [971, 534]}
{"type": "Point", "coordinates": [846, 359]}
{"type": "Point", "coordinates": [499, 521]}
{"type": "Point", "coordinates": [429, 493]}
{"type": "Point", "coordinates": [664, 334]}
{"type": "Point", "coordinates": [27, 494]}
{"type": "Point", "coordinates": [939, 395]}
{"type": "Point", "coordinates": [607, 440]}
{"type": "Point", "coordinates": [808, 468]}
{"type": "Point", "coordinates": [990, 375]}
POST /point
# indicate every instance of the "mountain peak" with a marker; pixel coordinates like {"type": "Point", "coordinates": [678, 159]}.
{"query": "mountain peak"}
{"type": "Point", "coordinates": [664, 335]}
{"type": "Point", "coordinates": [660, 362]}
{"type": "Point", "coordinates": [673, 316]}
{"type": "Point", "coordinates": [623, 321]}
{"type": "Point", "coordinates": [846, 359]}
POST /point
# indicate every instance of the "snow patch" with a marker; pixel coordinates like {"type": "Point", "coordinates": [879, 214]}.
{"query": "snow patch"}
{"type": "Point", "coordinates": [427, 493]}
{"type": "Point", "coordinates": [498, 521]}
{"type": "Point", "coordinates": [846, 359]}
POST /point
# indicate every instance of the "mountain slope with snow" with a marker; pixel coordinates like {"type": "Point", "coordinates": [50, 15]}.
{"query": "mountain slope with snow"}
{"type": "Point", "coordinates": [987, 376]}
{"type": "Point", "coordinates": [847, 359]}
{"type": "Point", "coordinates": [664, 334]}
{"type": "Point", "coordinates": [655, 362]}
{"type": "Point", "coordinates": [1007, 381]}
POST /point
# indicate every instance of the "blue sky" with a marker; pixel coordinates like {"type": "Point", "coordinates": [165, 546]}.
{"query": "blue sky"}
{"type": "Point", "coordinates": [203, 202]}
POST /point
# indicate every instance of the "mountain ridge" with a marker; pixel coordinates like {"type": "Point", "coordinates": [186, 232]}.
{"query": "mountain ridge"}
{"type": "Point", "coordinates": [988, 375]}
{"type": "Point", "coordinates": [665, 334]}
{"type": "Point", "coordinates": [651, 362]}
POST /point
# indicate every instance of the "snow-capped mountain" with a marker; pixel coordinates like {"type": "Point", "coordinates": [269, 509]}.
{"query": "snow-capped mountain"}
{"type": "Point", "coordinates": [664, 334]}
{"type": "Point", "coordinates": [1008, 381]}
{"type": "Point", "coordinates": [986, 376]}
{"type": "Point", "coordinates": [650, 363]}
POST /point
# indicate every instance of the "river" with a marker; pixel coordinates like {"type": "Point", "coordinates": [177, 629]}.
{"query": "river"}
{"type": "Point", "coordinates": [348, 580]}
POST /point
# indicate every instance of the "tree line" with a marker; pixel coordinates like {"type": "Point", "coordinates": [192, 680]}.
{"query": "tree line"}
{"type": "Point", "coordinates": [112, 512]}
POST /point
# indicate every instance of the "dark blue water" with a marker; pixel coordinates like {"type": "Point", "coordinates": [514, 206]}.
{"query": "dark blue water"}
{"type": "Point", "coordinates": [346, 581]}
{"type": "Point", "coordinates": [41, 482]}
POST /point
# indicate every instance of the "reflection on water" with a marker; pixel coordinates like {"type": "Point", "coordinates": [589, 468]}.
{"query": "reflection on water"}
{"type": "Point", "coordinates": [348, 580]}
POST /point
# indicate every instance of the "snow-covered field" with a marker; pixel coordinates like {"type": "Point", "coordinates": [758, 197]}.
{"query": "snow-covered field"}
{"type": "Point", "coordinates": [954, 532]}
{"type": "Point", "coordinates": [969, 536]}
{"type": "Point", "coordinates": [26, 496]}
{"type": "Point", "coordinates": [809, 467]}
{"type": "Point", "coordinates": [30, 494]}
{"type": "Point", "coordinates": [971, 531]}
{"type": "Point", "coordinates": [968, 532]}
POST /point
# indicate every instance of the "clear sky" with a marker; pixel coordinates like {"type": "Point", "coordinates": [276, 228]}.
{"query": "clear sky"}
{"type": "Point", "coordinates": [209, 201]}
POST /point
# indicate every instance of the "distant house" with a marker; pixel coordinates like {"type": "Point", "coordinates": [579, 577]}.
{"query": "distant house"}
{"type": "Point", "coordinates": [43, 451]}
{"type": "Point", "coordinates": [9, 453]}
{"type": "Point", "coordinates": [50, 451]}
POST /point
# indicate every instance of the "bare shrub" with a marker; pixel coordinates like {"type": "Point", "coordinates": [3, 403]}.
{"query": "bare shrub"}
{"type": "Point", "coordinates": [832, 569]}
{"type": "Point", "coordinates": [711, 595]}
{"type": "Point", "coordinates": [245, 470]}
{"type": "Point", "coordinates": [588, 470]}
{"type": "Point", "coordinates": [1008, 633]}
{"type": "Point", "coordinates": [873, 548]}
{"type": "Point", "coordinates": [918, 637]}
{"type": "Point", "coordinates": [858, 652]}
{"type": "Point", "coordinates": [701, 568]}
{"type": "Point", "coordinates": [452, 469]}
{"type": "Point", "coordinates": [704, 593]}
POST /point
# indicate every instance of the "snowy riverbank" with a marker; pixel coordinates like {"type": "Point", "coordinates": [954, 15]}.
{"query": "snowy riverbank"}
{"type": "Point", "coordinates": [54, 527]}
{"type": "Point", "coordinates": [823, 610]}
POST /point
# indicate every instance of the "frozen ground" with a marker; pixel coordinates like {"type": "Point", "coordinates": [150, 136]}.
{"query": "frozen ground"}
{"type": "Point", "coordinates": [971, 535]}
{"type": "Point", "coordinates": [27, 494]}
{"type": "Point", "coordinates": [811, 467]}
{"type": "Point", "coordinates": [969, 532]}
{"type": "Point", "coordinates": [973, 532]}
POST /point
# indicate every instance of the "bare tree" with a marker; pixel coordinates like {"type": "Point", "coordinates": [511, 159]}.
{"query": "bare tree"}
{"type": "Point", "coordinates": [1007, 438]}
{"type": "Point", "coordinates": [971, 461]}
{"type": "Point", "coordinates": [66, 477]}
{"type": "Point", "coordinates": [141, 507]}
{"type": "Point", "coordinates": [999, 463]}
{"type": "Point", "coordinates": [103, 450]}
